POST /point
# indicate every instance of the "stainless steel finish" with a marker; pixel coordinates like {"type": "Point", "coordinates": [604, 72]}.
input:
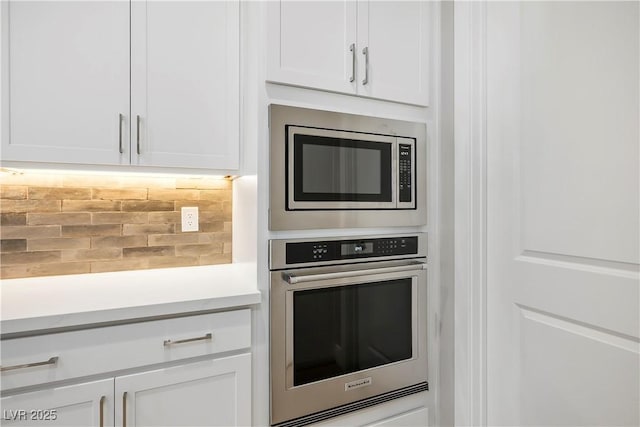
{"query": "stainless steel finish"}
{"type": "Point", "coordinates": [294, 278]}
{"type": "Point", "coordinates": [409, 205]}
{"type": "Point", "coordinates": [138, 134]}
{"type": "Point", "coordinates": [365, 52]}
{"type": "Point", "coordinates": [120, 120]}
{"type": "Point", "coordinates": [278, 259]}
{"type": "Point", "coordinates": [208, 336]}
{"type": "Point", "coordinates": [124, 409]}
{"type": "Point", "coordinates": [344, 205]}
{"type": "Point", "coordinates": [102, 411]}
{"type": "Point", "coordinates": [289, 401]}
{"type": "Point", "coordinates": [352, 49]}
{"type": "Point", "coordinates": [52, 361]}
{"type": "Point", "coordinates": [282, 219]}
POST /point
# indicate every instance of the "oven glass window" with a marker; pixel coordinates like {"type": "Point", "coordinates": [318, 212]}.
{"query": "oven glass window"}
{"type": "Point", "coordinates": [337, 169]}
{"type": "Point", "coordinates": [345, 329]}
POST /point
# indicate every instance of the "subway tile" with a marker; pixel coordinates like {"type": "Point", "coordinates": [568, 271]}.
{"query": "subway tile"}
{"type": "Point", "coordinates": [30, 257]}
{"type": "Point", "coordinates": [32, 179]}
{"type": "Point", "coordinates": [91, 205]}
{"type": "Point", "coordinates": [163, 262]}
{"type": "Point", "coordinates": [204, 183]}
{"type": "Point", "coordinates": [199, 249]}
{"type": "Point", "coordinates": [210, 216]}
{"type": "Point", "coordinates": [149, 251]}
{"type": "Point", "coordinates": [13, 192]}
{"type": "Point", "coordinates": [119, 193]}
{"type": "Point", "coordinates": [226, 249]}
{"type": "Point", "coordinates": [147, 205]}
{"type": "Point", "coordinates": [30, 206]}
{"type": "Point", "coordinates": [25, 231]}
{"type": "Point", "coordinates": [91, 230]}
{"type": "Point", "coordinates": [91, 254]}
{"type": "Point", "coordinates": [221, 236]}
{"type": "Point", "coordinates": [215, 259]}
{"type": "Point", "coordinates": [59, 193]}
{"type": "Point", "coordinates": [128, 264]}
{"type": "Point", "coordinates": [58, 243]}
{"type": "Point", "coordinates": [12, 218]}
{"type": "Point", "coordinates": [164, 217]}
{"type": "Point", "coordinates": [118, 241]}
{"type": "Point", "coordinates": [13, 245]}
{"type": "Point", "coordinates": [209, 227]}
{"type": "Point", "coordinates": [106, 181]}
{"type": "Point", "coordinates": [119, 218]}
{"type": "Point", "coordinates": [228, 226]}
{"type": "Point", "coordinates": [203, 205]}
{"type": "Point", "coordinates": [59, 218]}
{"type": "Point", "coordinates": [173, 194]}
{"type": "Point", "coordinates": [131, 229]}
{"type": "Point", "coordinates": [172, 239]}
{"type": "Point", "coordinates": [227, 211]}
{"type": "Point", "coordinates": [216, 195]}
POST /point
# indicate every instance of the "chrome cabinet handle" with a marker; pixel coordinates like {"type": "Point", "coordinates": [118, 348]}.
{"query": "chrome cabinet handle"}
{"type": "Point", "coordinates": [124, 409]}
{"type": "Point", "coordinates": [365, 51]}
{"type": "Point", "coordinates": [352, 49]}
{"type": "Point", "coordinates": [138, 134]}
{"type": "Point", "coordinates": [206, 337]}
{"type": "Point", "coordinates": [120, 119]}
{"type": "Point", "coordinates": [51, 361]}
{"type": "Point", "coordinates": [102, 399]}
{"type": "Point", "coordinates": [292, 278]}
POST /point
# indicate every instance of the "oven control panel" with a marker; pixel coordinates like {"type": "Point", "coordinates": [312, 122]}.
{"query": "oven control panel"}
{"type": "Point", "coordinates": [335, 250]}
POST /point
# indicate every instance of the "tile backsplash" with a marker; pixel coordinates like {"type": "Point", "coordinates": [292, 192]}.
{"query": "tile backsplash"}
{"type": "Point", "coordinates": [69, 224]}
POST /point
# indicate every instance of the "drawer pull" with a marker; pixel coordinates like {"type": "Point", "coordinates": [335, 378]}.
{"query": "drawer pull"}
{"type": "Point", "coordinates": [209, 336]}
{"type": "Point", "coordinates": [124, 409]}
{"type": "Point", "coordinates": [102, 411]}
{"type": "Point", "coordinates": [51, 361]}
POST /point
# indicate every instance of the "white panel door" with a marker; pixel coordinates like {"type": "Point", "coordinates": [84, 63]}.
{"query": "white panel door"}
{"type": "Point", "coordinates": [81, 405]}
{"type": "Point", "coordinates": [185, 84]}
{"type": "Point", "coordinates": [563, 213]}
{"type": "Point", "coordinates": [209, 393]}
{"type": "Point", "coordinates": [65, 68]}
{"type": "Point", "coordinates": [310, 44]}
{"type": "Point", "coordinates": [396, 35]}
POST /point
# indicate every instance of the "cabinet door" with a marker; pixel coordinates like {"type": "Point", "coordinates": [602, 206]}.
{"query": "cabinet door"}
{"type": "Point", "coordinates": [65, 81]}
{"type": "Point", "coordinates": [210, 393]}
{"type": "Point", "coordinates": [185, 84]}
{"type": "Point", "coordinates": [395, 33]}
{"type": "Point", "coordinates": [82, 405]}
{"type": "Point", "coordinates": [309, 44]}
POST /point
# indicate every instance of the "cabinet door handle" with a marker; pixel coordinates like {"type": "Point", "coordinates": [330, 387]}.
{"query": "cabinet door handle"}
{"type": "Point", "coordinates": [365, 52]}
{"type": "Point", "coordinates": [51, 361]}
{"type": "Point", "coordinates": [206, 337]}
{"type": "Point", "coordinates": [138, 134]}
{"type": "Point", "coordinates": [120, 119]}
{"type": "Point", "coordinates": [102, 411]}
{"type": "Point", "coordinates": [352, 49]}
{"type": "Point", "coordinates": [124, 409]}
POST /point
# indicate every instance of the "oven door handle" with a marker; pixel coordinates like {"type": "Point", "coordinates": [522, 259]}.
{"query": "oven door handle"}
{"type": "Point", "coordinates": [292, 279]}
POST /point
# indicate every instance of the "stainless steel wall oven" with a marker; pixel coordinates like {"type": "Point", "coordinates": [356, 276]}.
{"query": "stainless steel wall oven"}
{"type": "Point", "coordinates": [333, 170]}
{"type": "Point", "coordinates": [348, 324]}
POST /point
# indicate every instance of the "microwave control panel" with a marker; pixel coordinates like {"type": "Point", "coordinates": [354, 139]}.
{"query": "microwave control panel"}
{"type": "Point", "coordinates": [404, 175]}
{"type": "Point", "coordinates": [335, 250]}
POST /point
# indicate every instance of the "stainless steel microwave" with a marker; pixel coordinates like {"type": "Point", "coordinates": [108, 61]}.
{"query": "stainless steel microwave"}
{"type": "Point", "coordinates": [336, 170]}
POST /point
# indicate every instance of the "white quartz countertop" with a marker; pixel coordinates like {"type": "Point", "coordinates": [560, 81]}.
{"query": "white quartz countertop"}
{"type": "Point", "coordinates": [42, 303]}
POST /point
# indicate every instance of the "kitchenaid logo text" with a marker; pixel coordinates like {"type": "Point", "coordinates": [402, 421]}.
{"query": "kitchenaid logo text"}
{"type": "Point", "coordinates": [358, 383]}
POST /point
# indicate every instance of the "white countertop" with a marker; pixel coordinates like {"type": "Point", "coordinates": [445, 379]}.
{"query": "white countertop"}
{"type": "Point", "coordinates": [40, 303]}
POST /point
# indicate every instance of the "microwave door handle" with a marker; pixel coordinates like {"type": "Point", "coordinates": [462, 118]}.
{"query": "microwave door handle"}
{"type": "Point", "coordinates": [292, 278]}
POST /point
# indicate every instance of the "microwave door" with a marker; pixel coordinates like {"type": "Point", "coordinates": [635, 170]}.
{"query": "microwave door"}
{"type": "Point", "coordinates": [330, 170]}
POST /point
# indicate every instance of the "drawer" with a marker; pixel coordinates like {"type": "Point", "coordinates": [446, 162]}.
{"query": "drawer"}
{"type": "Point", "coordinates": [100, 350]}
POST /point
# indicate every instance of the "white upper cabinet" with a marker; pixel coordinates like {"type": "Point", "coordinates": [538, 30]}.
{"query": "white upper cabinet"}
{"type": "Point", "coordinates": [65, 81]}
{"type": "Point", "coordinates": [378, 49]}
{"type": "Point", "coordinates": [75, 96]}
{"type": "Point", "coordinates": [185, 84]}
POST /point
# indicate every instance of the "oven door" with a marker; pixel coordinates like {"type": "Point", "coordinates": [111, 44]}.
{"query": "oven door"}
{"type": "Point", "coordinates": [329, 169]}
{"type": "Point", "coordinates": [345, 334]}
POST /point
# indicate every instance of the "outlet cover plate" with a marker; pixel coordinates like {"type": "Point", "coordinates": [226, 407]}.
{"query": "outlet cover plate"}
{"type": "Point", "coordinates": [189, 219]}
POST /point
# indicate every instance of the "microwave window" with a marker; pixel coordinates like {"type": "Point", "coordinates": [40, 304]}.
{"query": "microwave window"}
{"type": "Point", "coordinates": [336, 169]}
{"type": "Point", "coordinates": [345, 329]}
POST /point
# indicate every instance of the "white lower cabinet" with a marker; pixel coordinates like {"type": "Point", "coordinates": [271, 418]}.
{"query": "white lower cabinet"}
{"type": "Point", "coordinates": [209, 393]}
{"type": "Point", "coordinates": [187, 371]}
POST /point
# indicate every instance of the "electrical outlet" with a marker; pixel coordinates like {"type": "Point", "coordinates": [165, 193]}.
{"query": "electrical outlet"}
{"type": "Point", "coordinates": [190, 218]}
